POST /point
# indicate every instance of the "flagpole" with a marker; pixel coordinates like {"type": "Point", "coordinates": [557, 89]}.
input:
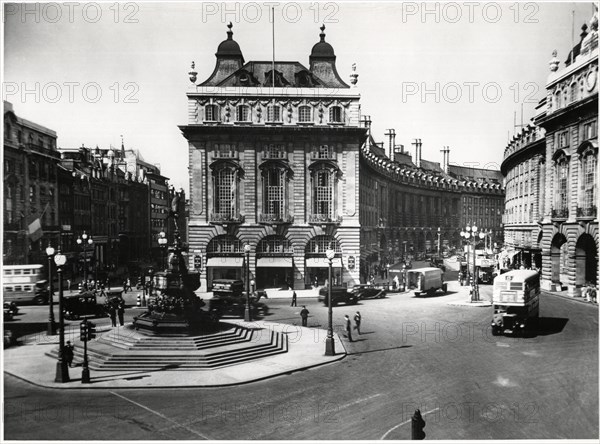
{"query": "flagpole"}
{"type": "Point", "coordinates": [273, 32]}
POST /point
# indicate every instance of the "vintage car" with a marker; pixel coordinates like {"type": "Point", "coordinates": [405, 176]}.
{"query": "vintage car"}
{"type": "Point", "coordinates": [229, 297]}
{"type": "Point", "coordinates": [12, 307]}
{"type": "Point", "coordinates": [368, 291]}
{"type": "Point", "coordinates": [338, 294]}
{"type": "Point", "coordinates": [82, 305]}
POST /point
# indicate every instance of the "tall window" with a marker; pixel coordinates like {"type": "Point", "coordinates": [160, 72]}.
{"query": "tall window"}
{"type": "Point", "coordinates": [225, 195]}
{"type": "Point", "coordinates": [304, 114]}
{"type": "Point", "coordinates": [562, 177]}
{"type": "Point", "coordinates": [8, 204]}
{"type": "Point", "coordinates": [274, 192]}
{"type": "Point", "coordinates": [323, 193]}
{"type": "Point", "coordinates": [323, 152]}
{"type": "Point", "coordinates": [589, 164]}
{"type": "Point", "coordinates": [243, 113]}
{"type": "Point", "coordinates": [563, 139]}
{"type": "Point", "coordinates": [273, 113]}
{"type": "Point", "coordinates": [335, 114]}
{"type": "Point", "coordinates": [211, 113]}
{"type": "Point", "coordinates": [590, 130]}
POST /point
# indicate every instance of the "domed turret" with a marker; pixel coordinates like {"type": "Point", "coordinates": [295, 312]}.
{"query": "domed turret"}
{"type": "Point", "coordinates": [322, 49]}
{"type": "Point", "coordinates": [229, 48]}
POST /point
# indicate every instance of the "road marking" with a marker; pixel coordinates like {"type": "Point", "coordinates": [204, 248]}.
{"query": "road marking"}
{"type": "Point", "coordinates": [162, 416]}
{"type": "Point", "coordinates": [358, 401]}
{"type": "Point", "coordinates": [405, 422]}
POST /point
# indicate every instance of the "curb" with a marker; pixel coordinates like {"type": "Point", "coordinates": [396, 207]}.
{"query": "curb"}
{"type": "Point", "coordinates": [577, 299]}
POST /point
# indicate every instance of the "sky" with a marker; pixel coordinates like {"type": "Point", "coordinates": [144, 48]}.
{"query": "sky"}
{"type": "Point", "coordinates": [451, 74]}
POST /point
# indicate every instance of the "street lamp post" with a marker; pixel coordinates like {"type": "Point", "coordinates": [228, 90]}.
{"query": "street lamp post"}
{"type": "Point", "coordinates": [439, 235]}
{"type": "Point", "coordinates": [62, 371]}
{"type": "Point", "coordinates": [471, 234]}
{"type": "Point", "coordinates": [329, 344]}
{"type": "Point", "coordinates": [84, 240]}
{"type": "Point", "coordinates": [51, 324]}
{"type": "Point", "coordinates": [247, 315]}
{"type": "Point", "coordinates": [162, 242]}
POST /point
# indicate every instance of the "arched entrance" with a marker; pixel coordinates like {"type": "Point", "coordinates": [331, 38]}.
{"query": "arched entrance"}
{"type": "Point", "coordinates": [586, 261]}
{"type": "Point", "coordinates": [224, 259]}
{"type": "Point", "coordinates": [558, 257]}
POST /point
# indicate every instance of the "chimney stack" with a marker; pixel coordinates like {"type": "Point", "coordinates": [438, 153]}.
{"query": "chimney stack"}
{"type": "Point", "coordinates": [445, 158]}
{"type": "Point", "coordinates": [418, 144]}
{"type": "Point", "coordinates": [392, 142]}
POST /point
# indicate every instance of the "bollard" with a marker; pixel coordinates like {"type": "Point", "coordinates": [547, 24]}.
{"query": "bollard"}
{"type": "Point", "coordinates": [417, 426]}
{"type": "Point", "coordinates": [138, 301]}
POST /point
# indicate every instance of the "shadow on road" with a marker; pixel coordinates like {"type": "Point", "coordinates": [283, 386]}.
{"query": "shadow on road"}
{"type": "Point", "coordinates": [547, 326]}
{"type": "Point", "coordinates": [379, 350]}
{"type": "Point", "coordinates": [435, 295]}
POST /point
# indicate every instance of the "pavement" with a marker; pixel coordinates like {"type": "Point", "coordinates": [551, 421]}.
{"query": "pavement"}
{"type": "Point", "coordinates": [306, 348]}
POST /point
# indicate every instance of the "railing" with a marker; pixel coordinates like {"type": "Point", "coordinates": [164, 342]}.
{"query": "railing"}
{"type": "Point", "coordinates": [586, 211]}
{"type": "Point", "coordinates": [226, 218]}
{"type": "Point", "coordinates": [273, 218]}
{"type": "Point", "coordinates": [561, 213]}
{"type": "Point", "coordinates": [323, 219]}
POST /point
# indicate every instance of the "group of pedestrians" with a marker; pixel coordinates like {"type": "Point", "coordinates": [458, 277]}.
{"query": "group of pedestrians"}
{"type": "Point", "coordinates": [116, 309]}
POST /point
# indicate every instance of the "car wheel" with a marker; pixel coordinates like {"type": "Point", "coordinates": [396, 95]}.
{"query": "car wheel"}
{"type": "Point", "coordinates": [39, 300]}
{"type": "Point", "coordinates": [417, 294]}
{"type": "Point", "coordinates": [495, 331]}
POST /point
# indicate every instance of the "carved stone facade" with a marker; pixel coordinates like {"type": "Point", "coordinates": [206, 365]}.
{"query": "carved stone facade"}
{"type": "Point", "coordinates": [570, 239]}
{"type": "Point", "coordinates": [274, 165]}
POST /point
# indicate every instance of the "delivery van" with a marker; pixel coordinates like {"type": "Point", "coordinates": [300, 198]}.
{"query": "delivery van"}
{"type": "Point", "coordinates": [426, 280]}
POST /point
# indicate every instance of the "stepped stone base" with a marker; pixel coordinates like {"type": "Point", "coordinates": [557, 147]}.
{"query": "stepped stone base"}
{"type": "Point", "coordinates": [129, 349]}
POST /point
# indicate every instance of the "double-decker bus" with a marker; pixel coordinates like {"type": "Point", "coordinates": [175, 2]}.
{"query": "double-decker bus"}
{"type": "Point", "coordinates": [24, 283]}
{"type": "Point", "coordinates": [516, 301]}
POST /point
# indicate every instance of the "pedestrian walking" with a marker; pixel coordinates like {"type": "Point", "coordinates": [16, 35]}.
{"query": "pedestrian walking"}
{"type": "Point", "coordinates": [304, 315]}
{"type": "Point", "coordinates": [348, 328]}
{"type": "Point", "coordinates": [69, 352]}
{"type": "Point", "coordinates": [357, 319]}
{"type": "Point", "coordinates": [294, 299]}
{"type": "Point", "coordinates": [121, 311]}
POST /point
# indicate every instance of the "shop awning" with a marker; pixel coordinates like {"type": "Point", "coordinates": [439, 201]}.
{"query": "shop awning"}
{"type": "Point", "coordinates": [233, 262]}
{"type": "Point", "coordinates": [274, 261]}
{"type": "Point", "coordinates": [322, 262]}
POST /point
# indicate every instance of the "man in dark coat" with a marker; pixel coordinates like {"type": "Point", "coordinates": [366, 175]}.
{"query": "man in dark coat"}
{"type": "Point", "coordinates": [348, 327]}
{"type": "Point", "coordinates": [121, 311]}
{"type": "Point", "coordinates": [304, 315]}
{"type": "Point", "coordinates": [294, 297]}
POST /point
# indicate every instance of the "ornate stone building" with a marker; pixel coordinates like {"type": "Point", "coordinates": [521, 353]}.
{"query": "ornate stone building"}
{"type": "Point", "coordinates": [274, 159]}
{"type": "Point", "coordinates": [524, 170]}
{"type": "Point", "coordinates": [411, 207]}
{"type": "Point", "coordinates": [569, 240]}
{"type": "Point", "coordinates": [30, 190]}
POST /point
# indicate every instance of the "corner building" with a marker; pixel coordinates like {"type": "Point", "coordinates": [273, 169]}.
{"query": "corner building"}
{"type": "Point", "coordinates": [274, 159]}
{"type": "Point", "coordinates": [569, 239]}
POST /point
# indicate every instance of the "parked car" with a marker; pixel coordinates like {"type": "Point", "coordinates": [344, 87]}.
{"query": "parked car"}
{"type": "Point", "coordinates": [82, 304]}
{"type": "Point", "coordinates": [368, 291]}
{"type": "Point", "coordinates": [8, 316]}
{"type": "Point", "coordinates": [338, 294]}
{"type": "Point", "coordinates": [12, 307]}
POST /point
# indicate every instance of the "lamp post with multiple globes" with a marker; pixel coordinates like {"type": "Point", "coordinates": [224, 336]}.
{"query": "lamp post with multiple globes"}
{"type": "Point", "coordinates": [471, 234]}
{"type": "Point", "coordinates": [84, 240]}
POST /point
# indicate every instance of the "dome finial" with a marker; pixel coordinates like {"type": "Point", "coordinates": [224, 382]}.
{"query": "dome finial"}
{"type": "Point", "coordinates": [322, 35]}
{"type": "Point", "coordinates": [229, 32]}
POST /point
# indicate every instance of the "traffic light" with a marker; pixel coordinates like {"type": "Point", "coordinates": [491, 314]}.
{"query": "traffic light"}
{"type": "Point", "coordinates": [83, 331]}
{"type": "Point", "coordinates": [198, 261]}
{"type": "Point", "coordinates": [91, 331]}
{"type": "Point", "coordinates": [418, 424]}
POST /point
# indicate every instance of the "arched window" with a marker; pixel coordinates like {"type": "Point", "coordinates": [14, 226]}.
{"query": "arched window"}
{"type": "Point", "coordinates": [557, 99]}
{"type": "Point", "coordinates": [335, 114]}
{"type": "Point", "coordinates": [305, 114]}
{"type": "Point", "coordinates": [574, 92]}
{"type": "Point", "coordinates": [211, 113]}
{"type": "Point", "coordinates": [242, 113]}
